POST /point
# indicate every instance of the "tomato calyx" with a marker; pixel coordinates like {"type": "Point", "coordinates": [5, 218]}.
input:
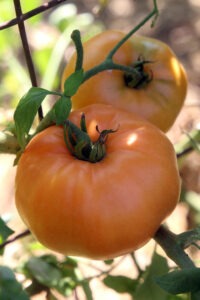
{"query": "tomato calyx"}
{"type": "Point", "coordinates": [80, 144]}
{"type": "Point", "coordinates": [140, 79]}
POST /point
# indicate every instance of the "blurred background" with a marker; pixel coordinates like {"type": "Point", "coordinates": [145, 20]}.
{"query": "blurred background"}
{"type": "Point", "coordinates": [49, 38]}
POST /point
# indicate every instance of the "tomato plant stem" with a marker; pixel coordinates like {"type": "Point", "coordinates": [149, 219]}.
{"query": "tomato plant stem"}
{"type": "Point", "coordinates": [76, 37]}
{"type": "Point", "coordinates": [154, 12]}
{"type": "Point", "coordinates": [168, 242]}
{"type": "Point", "coordinates": [189, 142]}
{"type": "Point", "coordinates": [140, 271]}
{"type": "Point", "coordinates": [108, 63]}
{"type": "Point", "coordinates": [15, 238]}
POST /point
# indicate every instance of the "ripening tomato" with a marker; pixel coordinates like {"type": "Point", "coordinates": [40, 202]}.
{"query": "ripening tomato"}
{"type": "Point", "coordinates": [157, 94]}
{"type": "Point", "coordinates": [98, 210]}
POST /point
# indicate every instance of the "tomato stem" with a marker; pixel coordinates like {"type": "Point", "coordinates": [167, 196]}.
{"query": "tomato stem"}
{"type": "Point", "coordinates": [170, 244]}
{"type": "Point", "coordinates": [174, 246]}
{"type": "Point", "coordinates": [188, 143]}
{"type": "Point", "coordinates": [80, 144]}
{"type": "Point", "coordinates": [108, 63]}
{"type": "Point", "coordinates": [154, 13]}
{"type": "Point", "coordinates": [15, 238]}
{"type": "Point", "coordinates": [141, 78]}
{"type": "Point", "coordinates": [76, 37]}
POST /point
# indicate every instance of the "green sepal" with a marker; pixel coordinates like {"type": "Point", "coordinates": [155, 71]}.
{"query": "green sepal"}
{"type": "Point", "coordinates": [79, 143]}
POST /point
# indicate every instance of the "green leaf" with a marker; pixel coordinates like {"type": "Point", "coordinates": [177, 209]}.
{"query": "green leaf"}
{"type": "Point", "coordinates": [108, 261]}
{"type": "Point", "coordinates": [50, 259]}
{"type": "Point", "coordinates": [10, 288]}
{"type": "Point", "coordinates": [181, 281]}
{"type": "Point", "coordinates": [195, 295]}
{"type": "Point", "coordinates": [73, 82]}
{"type": "Point", "coordinates": [70, 276]}
{"type": "Point", "coordinates": [148, 289]}
{"type": "Point", "coordinates": [44, 272]}
{"type": "Point", "coordinates": [5, 231]}
{"type": "Point", "coordinates": [120, 284]}
{"type": "Point", "coordinates": [179, 297]}
{"type": "Point", "coordinates": [70, 262]}
{"type": "Point", "coordinates": [62, 109]}
{"type": "Point", "coordinates": [26, 111]}
{"type": "Point", "coordinates": [48, 120]}
{"type": "Point", "coordinates": [87, 290]}
{"type": "Point", "coordinates": [49, 272]}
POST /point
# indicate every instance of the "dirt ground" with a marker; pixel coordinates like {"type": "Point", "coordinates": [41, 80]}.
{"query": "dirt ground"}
{"type": "Point", "coordinates": [179, 26]}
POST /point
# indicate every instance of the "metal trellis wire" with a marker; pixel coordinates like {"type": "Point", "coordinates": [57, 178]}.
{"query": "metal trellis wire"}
{"type": "Point", "coordinates": [19, 20]}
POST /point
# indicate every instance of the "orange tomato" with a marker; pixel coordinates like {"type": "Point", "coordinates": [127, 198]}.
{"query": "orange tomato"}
{"type": "Point", "coordinates": [158, 96]}
{"type": "Point", "coordinates": [98, 210]}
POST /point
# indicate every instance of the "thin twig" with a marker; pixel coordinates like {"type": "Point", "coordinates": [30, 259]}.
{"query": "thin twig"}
{"type": "Point", "coordinates": [26, 48]}
{"type": "Point", "coordinates": [153, 13]}
{"type": "Point", "coordinates": [31, 13]}
{"type": "Point", "coordinates": [188, 143]}
{"type": "Point", "coordinates": [76, 294]}
{"type": "Point", "coordinates": [184, 152]}
{"type": "Point", "coordinates": [104, 272]}
{"type": "Point", "coordinates": [15, 238]}
{"type": "Point", "coordinates": [140, 271]}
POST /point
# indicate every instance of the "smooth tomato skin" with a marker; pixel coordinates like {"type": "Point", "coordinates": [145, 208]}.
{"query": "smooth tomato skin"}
{"type": "Point", "coordinates": [160, 101]}
{"type": "Point", "coordinates": [98, 210]}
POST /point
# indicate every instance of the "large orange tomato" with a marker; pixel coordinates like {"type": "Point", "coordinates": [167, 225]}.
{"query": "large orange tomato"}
{"type": "Point", "coordinates": [157, 96]}
{"type": "Point", "coordinates": [104, 209]}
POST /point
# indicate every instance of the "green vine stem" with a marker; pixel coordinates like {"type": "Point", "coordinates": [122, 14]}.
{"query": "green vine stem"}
{"type": "Point", "coordinates": [174, 245]}
{"type": "Point", "coordinates": [76, 37]}
{"type": "Point", "coordinates": [188, 143]}
{"type": "Point", "coordinates": [14, 239]}
{"type": "Point", "coordinates": [154, 13]}
{"type": "Point", "coordinates": [169, 243]}
{"type": "Point", "coordinates": [108, 63]}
